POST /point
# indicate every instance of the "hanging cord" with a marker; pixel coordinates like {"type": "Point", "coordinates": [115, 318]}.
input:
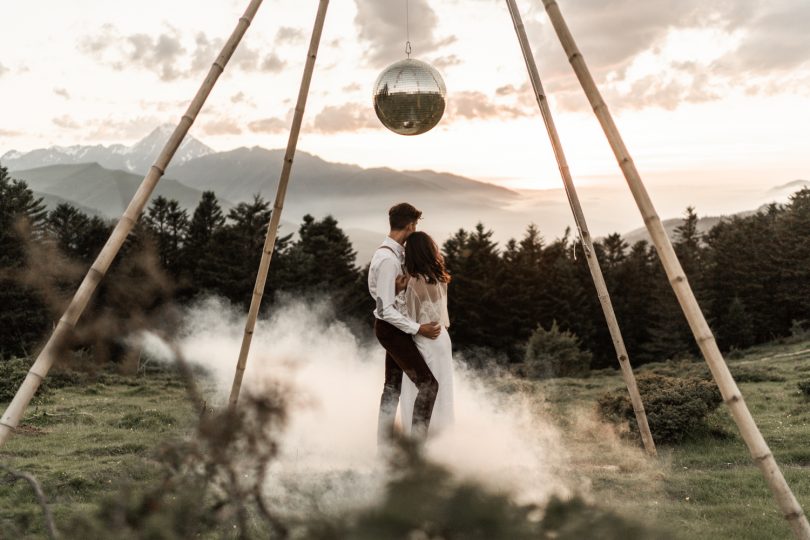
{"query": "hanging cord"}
{"type": "Point", "coordinates": [407, 29]}
{"type": "Point", "coordinates": [585, 248]}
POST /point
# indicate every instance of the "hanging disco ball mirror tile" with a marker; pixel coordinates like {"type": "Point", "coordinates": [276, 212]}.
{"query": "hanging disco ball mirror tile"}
{"type": "Point", "coordinates": [409, 97]}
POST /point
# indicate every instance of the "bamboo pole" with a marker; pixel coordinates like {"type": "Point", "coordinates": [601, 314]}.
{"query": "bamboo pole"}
{"type": "Point", "coordinates": [281, 193]}
{"type": "Point", "coordinates": [81, 298]}
{"type": "Point", "coordinates": [760, 452]}
{"type": "Point", "coordinates": [584, 234]}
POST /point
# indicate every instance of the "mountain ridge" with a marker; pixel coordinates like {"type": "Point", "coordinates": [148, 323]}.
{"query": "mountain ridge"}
{"type": "Point", "coordinates": [357, 197]}
{"type": "Point", "coordinates": [104, 191]}
{"type": "Point", "coordinates": [135, 159]}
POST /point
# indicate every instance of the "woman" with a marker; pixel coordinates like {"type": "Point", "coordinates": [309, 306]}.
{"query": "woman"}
{"type": "Point", "coordinates": [426, 299]}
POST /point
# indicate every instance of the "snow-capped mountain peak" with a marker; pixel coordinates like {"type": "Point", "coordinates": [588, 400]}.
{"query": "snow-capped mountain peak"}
{"type": "Point", "coordinates": [136, 158]}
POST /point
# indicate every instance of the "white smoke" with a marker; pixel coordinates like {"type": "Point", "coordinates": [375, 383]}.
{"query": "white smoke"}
{"type": "Point", "coordinates": [329, 450]}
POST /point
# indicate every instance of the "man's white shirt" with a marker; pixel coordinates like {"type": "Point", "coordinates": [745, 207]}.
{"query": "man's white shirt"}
{"type": "Point", "coordinates": [386, 266]}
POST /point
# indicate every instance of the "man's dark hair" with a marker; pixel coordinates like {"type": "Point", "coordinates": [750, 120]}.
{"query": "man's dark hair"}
{"type": "Point", "coordinates": [401, 215]}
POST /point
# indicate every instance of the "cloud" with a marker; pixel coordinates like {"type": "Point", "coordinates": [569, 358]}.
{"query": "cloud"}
{"type": "Point", "coordinates": [245, 58]}
{"type": "Point", "coordinates": [478, 106]}
{"type": "Point", "coordinates": [268, 125]}
{"type": "Point", "coordinates": [775, 40]}
{"type": "Point", "coordinates": [352, 87]}
{"type": "Point", "coordinates": [166, 55]}
{"type": "Point", "coordinates": [273, 63]}
{"type": "Point", "coordinates": [287, 34]}
{"type": "Point", "coordinates": [382, 26]}
{"type": "Point", "coordinates": [462, 105]}
{"type": "Point", "coordinates": [9, 133]}
{"type": "Point", "coordinates": [242, 98]}
{"type": "Point", "coordinates": [205, 51]}
{"type": "Point", "coordinates": [3, 69]}
{"type": "Point", "coordinates": [346, 117]}
{"type": "Point", "coordinates": [122, 128]}
{"type": "Point", "coordinates": [160, 53]}
{"type": "Point", "coordinates": [221, 126]}
{"type": "Point", "coordinates": [444, 62]}
{"type": "Point", "coordinates": [630, 50]}
{"type": "Point", "coordinates": [66, 122]}
{"type": "Point", "coordinates": [61, 92]}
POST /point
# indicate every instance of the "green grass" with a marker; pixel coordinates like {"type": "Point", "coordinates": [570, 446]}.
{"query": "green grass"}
{"type": "Point", "coordinates": [85, 442]}
{"type": "Point", "coordinates": [707, 487]}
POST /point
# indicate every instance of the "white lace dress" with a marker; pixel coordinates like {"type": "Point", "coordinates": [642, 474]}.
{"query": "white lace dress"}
{"type": "Point", "coordinates": [428, 303]}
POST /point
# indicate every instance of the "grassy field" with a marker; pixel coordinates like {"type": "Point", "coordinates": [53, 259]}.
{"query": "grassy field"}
{"type": "Point", "coordinates": [709, 487]}
{"type": "Point", "coordinates": [85, 442]}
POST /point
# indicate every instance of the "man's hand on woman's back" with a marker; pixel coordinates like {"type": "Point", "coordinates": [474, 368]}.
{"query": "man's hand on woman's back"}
{"type": "Point", "coordinates": [430, 330]}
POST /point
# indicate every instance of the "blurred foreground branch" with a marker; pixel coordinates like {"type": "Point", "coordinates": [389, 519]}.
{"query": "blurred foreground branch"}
{"type": "Point", "coordinates": [14, 476]}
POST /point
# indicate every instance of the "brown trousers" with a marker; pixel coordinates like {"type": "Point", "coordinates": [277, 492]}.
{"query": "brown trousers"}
{"type": "Point", "coordinates": [401, 355]}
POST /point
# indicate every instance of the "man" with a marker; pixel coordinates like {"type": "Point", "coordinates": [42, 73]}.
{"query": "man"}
{"type": "Point", "coordinates": [395, 330]}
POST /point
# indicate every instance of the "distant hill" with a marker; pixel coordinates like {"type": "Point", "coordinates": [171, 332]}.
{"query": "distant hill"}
{"type": "Point", "coordinates": [358, 198]}
{"type": "Point", "coordinates": [52, 201]}
{"type": "Point", "coordinates": [102, 191]}
{"type": "Point", "coordinates": [704, 225]}
{"type": "Point", "coordinates": [136, 158]}
{"type": "Point", "coordinates": [785, 190]}
{"type": "Point", "coordinates": [240, 173]}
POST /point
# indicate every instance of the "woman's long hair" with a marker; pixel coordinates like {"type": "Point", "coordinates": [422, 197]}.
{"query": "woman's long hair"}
{"type": "Point", "coordinates": [422, 258]}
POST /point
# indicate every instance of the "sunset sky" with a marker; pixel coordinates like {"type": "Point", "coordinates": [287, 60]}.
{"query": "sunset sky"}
{"type": "Point", "coordinates": [707, 94]}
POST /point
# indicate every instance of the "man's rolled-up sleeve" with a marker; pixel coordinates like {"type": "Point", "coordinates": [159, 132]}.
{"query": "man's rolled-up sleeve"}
{"type": "Point", "coordinates": [386, 296]}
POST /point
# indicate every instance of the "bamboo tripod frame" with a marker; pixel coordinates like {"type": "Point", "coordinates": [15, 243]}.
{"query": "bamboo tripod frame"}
{"type": "Point", "coordinates": [760, 452]}
{"type": "Point", "coordinates": [791, 510]}
{"type": "Point", "coordinates": [584, 234]}
{"type": "Point", "coordinates": [11, 417]}
{"type": "Point", "coordinates": [275, 217]}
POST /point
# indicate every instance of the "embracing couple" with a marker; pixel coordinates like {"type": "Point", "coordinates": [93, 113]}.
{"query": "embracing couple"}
{"type": "Point", "coordinates": [408, 282]}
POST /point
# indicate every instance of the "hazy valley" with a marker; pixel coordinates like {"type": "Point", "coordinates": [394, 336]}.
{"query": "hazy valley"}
{"type": "Point", "coordinates": [102, 179]}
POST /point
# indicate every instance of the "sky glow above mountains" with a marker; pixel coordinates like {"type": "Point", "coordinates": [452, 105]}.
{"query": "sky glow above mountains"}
{"type": "Point", "coordinates": [704, 93]}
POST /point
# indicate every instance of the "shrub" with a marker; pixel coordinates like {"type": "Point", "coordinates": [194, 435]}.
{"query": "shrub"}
{"type": "Point", "coordinates": [574, 520]}
{"type": "Point", "coordinates": [555, 353]}
{"type": "Point", "coordinates": [804, 387]}
{"type": "Point", "coordinates": [424, 500]}
{"type": "Point", "coordinates": [746, 375]}
{"type": "Point", "coordinates": [676, 408]}
{"type": "Point", "coordinates": [799, 331]}
{"type": "Point", "coordinates": [14, 370]}
{"type": "Point", "coordinates": [148, 420]}
{"type": "Point", "coordinates": [12, 373]}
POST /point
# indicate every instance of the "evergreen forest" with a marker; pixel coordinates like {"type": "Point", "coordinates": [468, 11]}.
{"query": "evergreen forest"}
{"type": "Point", "coordinates": [751, 275]}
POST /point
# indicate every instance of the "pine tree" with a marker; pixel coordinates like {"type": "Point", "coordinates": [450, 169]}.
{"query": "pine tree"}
{"type": "Point", "coordinates": [205, 222]}
{"type": "Point", "coordinates": [478, 310]}
{"type": "Point", "coordinates": [751, 274]}
{"type": "Point", "coordinates": [566, 293]}
{"type": "Point", "coordinates": [669, 333]}
{"type": "Point", "coordinates": [736, 329]}
{"type": "Point", "coordinates": [322, 262]}
{"type": "Point", "coordinates": [614, 251]}
{"type": "Point", "coordinates": [235, 251]}
{"type": "Point", "coordinates": [792, 258]}
{"type": "Point", "coordinates": [23, 317]}
{"type": "Point", "coordinates": [76, 234]}
{"type": "Point", "coordinates": [168, 223]}
{"type": "Point", "coordinates": [688, 246]}
{"type": "Point", "coordinates": [520, 290]}
{"type": "Point", "coordinates": [633, 288]}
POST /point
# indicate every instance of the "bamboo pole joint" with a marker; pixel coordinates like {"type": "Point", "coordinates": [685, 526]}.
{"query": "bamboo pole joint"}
{"type": "Point", "coordinates": [772, 474]}
{"type": "Point", "coordinates": [582, 229]}
{"type": "Point", "coordinates": [46, 358]}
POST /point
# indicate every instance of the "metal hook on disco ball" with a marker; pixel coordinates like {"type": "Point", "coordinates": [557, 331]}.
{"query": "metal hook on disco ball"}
{"type": "Point", "coordinates": [409, 97]}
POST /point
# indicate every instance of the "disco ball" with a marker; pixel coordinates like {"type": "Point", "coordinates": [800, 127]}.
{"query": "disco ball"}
{"type": "Point", "coordinates": [409, 97]}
